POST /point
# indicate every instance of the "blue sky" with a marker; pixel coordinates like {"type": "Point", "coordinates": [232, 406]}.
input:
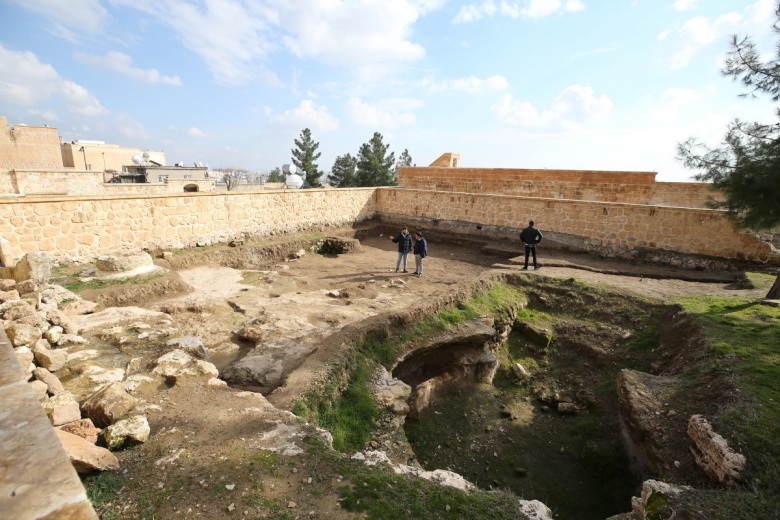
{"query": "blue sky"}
{"type": "Point", "coordinates": [579, 84]}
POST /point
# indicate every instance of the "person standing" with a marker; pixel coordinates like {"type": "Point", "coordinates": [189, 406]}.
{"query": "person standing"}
{"type": "Point", "coordinates": [420, 252]}
{"type": "Point", "coordinates": [530, 237]}
{"type": "Point", "coordinates": [404, 241]}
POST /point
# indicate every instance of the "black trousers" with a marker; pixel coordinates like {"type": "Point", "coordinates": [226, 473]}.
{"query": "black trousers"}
{"type": "Point", "coordinates": [532, 250]}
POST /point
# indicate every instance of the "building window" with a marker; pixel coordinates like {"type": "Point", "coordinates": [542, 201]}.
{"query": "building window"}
{"type": "Point", "coordinates": [162, 178]}
{"type": "Point", "coordinates": [188, 176]}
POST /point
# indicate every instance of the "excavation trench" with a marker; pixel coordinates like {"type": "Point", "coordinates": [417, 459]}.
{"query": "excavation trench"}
{"type": "Point", "coordinates": [496, 434]}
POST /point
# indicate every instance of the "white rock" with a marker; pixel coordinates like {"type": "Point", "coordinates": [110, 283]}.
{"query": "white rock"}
{"type": "Point", "coordinates": [134, 429]}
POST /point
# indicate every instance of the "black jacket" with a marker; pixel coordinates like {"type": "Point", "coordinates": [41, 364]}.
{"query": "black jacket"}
{"type": "Point", "coordinates": [421, 247]}
{"type": "Point", "coordinates": [530, 236]}
{"type": "Point", "coordinates": [404, 242]}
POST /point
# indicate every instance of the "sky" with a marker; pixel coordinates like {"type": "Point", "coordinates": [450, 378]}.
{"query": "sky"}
{"type": "Point", "coordinates": [559, 84]}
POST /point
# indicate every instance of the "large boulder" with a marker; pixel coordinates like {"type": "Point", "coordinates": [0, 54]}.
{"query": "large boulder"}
{"type": "Point", "coordinates": [109, 404]}
{"type": "Point", "coordinates": [35, 267]}
{"type": "Point", "coordinates": [23, 335]}
{"type": "Point", "coordinates": [59, 318]}
{"type": "Point", "coordinates": [84, 455]}
{"type": "Point", "coordinates": [125, 262]}
{"type": "Point", "coordinates": [133, 430]}
{"type": "Point", "coordinates": [51, 360]}
{"type": "Point", "coordinates": [25, 358]}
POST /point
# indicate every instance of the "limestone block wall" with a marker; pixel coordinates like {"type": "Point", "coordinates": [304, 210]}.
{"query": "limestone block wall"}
{"type": "Point", "coordinates": [616, 228]}
{"type": "Point", "coordinates": [628, 187]}
{"type": "Point", "coordinates": [80, 228]}
{"type": "Point", "coordinates": [37, 481]}
{"type": "Point", "coordinates": [28, 147]}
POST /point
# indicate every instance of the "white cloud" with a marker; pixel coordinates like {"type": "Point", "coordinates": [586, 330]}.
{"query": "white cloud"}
{"type": "Point", "coordinates": [231, 149]}
{"type": "Point", "coordinates": [306, 114]}
{"type": "Point", "coordinates": [469, 84]}
{"type": "Point", "coordinates": [384, 114]}
{"type": "Point", "coordinates": [123, 64]}
{"type": "Point", "coordinates": [48, 115]}
{"type": "Point", "coordinates": [572, 108]}
{"type": "Point", "coordinates": [762, 13]}
{"type": "Point", "coordinates": [533, 9]}
{"type": "Point", "coordinates": [699, 32]}
{"type": "Point", "coordinates": [130, 128]}
{"type": "Point", "coordinates": [662, 35]}
{"type": "Point", "coordinates": [25, 81]}
{"type": "Point", "coordinates": [684, 5]}
{"type": "Point", "coordinates": [196, 132]}
{"type": "Point", "coordinates": [81, 15]}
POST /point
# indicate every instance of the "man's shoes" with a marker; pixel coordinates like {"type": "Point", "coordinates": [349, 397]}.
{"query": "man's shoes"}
{"type": "Point", "coordinates": [418, 275]}
{"type": "Point", "coordinates": [404, 271]}
{"type": "Point", "coordinates": [524, 269]}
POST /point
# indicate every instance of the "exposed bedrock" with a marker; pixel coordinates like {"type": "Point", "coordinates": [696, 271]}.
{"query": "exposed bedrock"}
{"type": "Point", "coordinates": [460, 356]}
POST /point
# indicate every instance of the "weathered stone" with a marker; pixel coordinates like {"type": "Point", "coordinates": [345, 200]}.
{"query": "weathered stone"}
{"type": "Point", "coordinates": [109, 404]}
{"type": "Point", "coordinates": [167, 255]}
{"type": "Point", "coordinates": [51, 360]}
{"type": "Point", "coordinates": [23, 335]}
{"type": "Point", "coordinates": [40, 388]}
{"type": "Point", "coordinates": [85, 456]}
{"type": "Point", "coordinates": [57, 317]}
{"type": "Point", "coordinates": [391, 392]}
{"type": "Point", "coordinates": [125, 262]}
{"type": "Point", "coordinates": [65, 413]}
{"type": "Point", "coordinates": [177, 364]}
{"type": "Point", "coordinates": [53, 334]}
{"type": "Point", "coordinates": [26, 287]}
{"type": "Point", "coordinates": [84, 428]}
{"type": "Point", "coordinates": [79, 307]}
{"type": "Point", "coordinates": [133, 430]}
{"type": "Point", "coordinates": [192, 345]}
{"type": "Point", "coordinates": [55, 387]}
{"type": "Point", "coordinates": [655, 487]}
{"type": "Point", "coordinates": [251, 333]}
{"type": "Point", "coordinates": [520, 372]}
{"type": "Point", "coordinates": [25, 357]}
{"type": "Point", "coordinates": [9, 295]}
{"type": "Point", "coordinates": [7, 284]}
{"type": "Point", "coordinates": [567, 408]}
{"type": "Point", "coordinates": [713, 455]}
{"type": "Point", "coordinates": [70, 339]}
{"type": "Point", "coordinates": [534, 333]}
{"type": "Point", "coordinates": [35, 267]}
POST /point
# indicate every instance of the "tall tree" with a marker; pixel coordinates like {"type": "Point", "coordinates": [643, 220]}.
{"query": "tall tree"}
{"type": "Point", "coordinates": [303, 156]}
{"type": "Point", "coordinates": [745, 168]}
{"type": "Point", "coordinates": [275, 175]}
{"type": "Point", "coordinates": [403, 160]}
{"type": "Point", "coordinates": [374, 165]}
{"type": "Point", "coordinates": [343, 173]}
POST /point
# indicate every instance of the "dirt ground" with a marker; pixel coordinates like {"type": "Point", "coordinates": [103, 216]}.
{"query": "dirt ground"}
{"type": "Point", "coordinates": [205, 456]}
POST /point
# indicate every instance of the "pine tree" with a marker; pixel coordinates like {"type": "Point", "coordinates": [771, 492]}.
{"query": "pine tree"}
{"type": "Point", "coordinates": [275, 175]}
{"type": "Point", "coordinates": [746, 167]}
{"type": "Point", "coordinates": [374, 166]}
{"type": "Point", "coordinates": [304, 155]}
{"type": "Point", "coordinates": [343, 173]}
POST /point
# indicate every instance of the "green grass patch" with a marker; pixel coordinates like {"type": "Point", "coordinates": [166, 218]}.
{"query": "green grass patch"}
{"type": "Point", "coordinates": [78, 286]}
{"type": "Point", "coordinates": [745, 335]}
{"type": "Point", "coordinates": [103, 487]}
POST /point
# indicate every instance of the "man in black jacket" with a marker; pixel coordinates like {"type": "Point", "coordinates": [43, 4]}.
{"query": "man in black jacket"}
{"type": "Point", "coordinates": [530, 236]}
{"type": "Point", "coordinates": [404, 241]}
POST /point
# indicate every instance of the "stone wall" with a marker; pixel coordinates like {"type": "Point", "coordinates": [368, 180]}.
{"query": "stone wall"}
{"type": "Point", "coordinates": [38, 480]}
{"type": "Point", "coordinates": [28, 147]}
{"type": "Point", "coordinates": [75, 228]}
{"type": "Point", "coordinates": [627, 187]}
{"type": "Point", "coordinates": [612, 229]}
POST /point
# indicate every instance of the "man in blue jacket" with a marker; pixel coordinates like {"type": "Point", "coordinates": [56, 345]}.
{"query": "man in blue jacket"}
{"type": "Point", "coordinates": [420, 252]}
{"type": "Point", "coordinates": [530, 236]}
{"type": "Point", "coordinates": [404, 241]}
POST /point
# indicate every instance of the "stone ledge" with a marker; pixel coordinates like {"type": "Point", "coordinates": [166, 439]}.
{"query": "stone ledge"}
{"type": "Point", "coordinates": [38, 481]}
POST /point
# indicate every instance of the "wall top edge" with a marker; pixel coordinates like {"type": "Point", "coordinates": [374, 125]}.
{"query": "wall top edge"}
{"type": "Point", "coordinates": [68, 198]}
{"type": "Point", "coordinates": [567, 201]}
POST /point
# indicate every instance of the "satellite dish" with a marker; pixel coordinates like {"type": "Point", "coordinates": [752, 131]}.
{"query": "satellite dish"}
{"type": "Point", "coordinates": [289, 169]}
{"type": "Point", "coordinates": [137, 159]}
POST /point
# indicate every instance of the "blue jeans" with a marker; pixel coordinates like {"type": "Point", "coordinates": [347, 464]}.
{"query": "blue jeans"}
{"type": "Point", "coordinates": [405, 257]}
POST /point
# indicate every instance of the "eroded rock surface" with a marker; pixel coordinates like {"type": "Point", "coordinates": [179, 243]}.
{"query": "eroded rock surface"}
{"type": "Point", "coordinates": [713, 455]}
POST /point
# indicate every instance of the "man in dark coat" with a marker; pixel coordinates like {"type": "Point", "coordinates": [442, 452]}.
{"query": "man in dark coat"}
{"type": "Point", "coordinates": [404, 241]}
{"type": "Point", "coordinates": [420, 252]}
{"type": "Point", "coordinates": [530, 236]}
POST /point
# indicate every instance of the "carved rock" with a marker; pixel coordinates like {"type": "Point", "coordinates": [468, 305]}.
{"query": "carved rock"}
{"type": "Point", "coordinates": [713, 455]}
{"type": "Point", "coordinates": [109, 404]}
